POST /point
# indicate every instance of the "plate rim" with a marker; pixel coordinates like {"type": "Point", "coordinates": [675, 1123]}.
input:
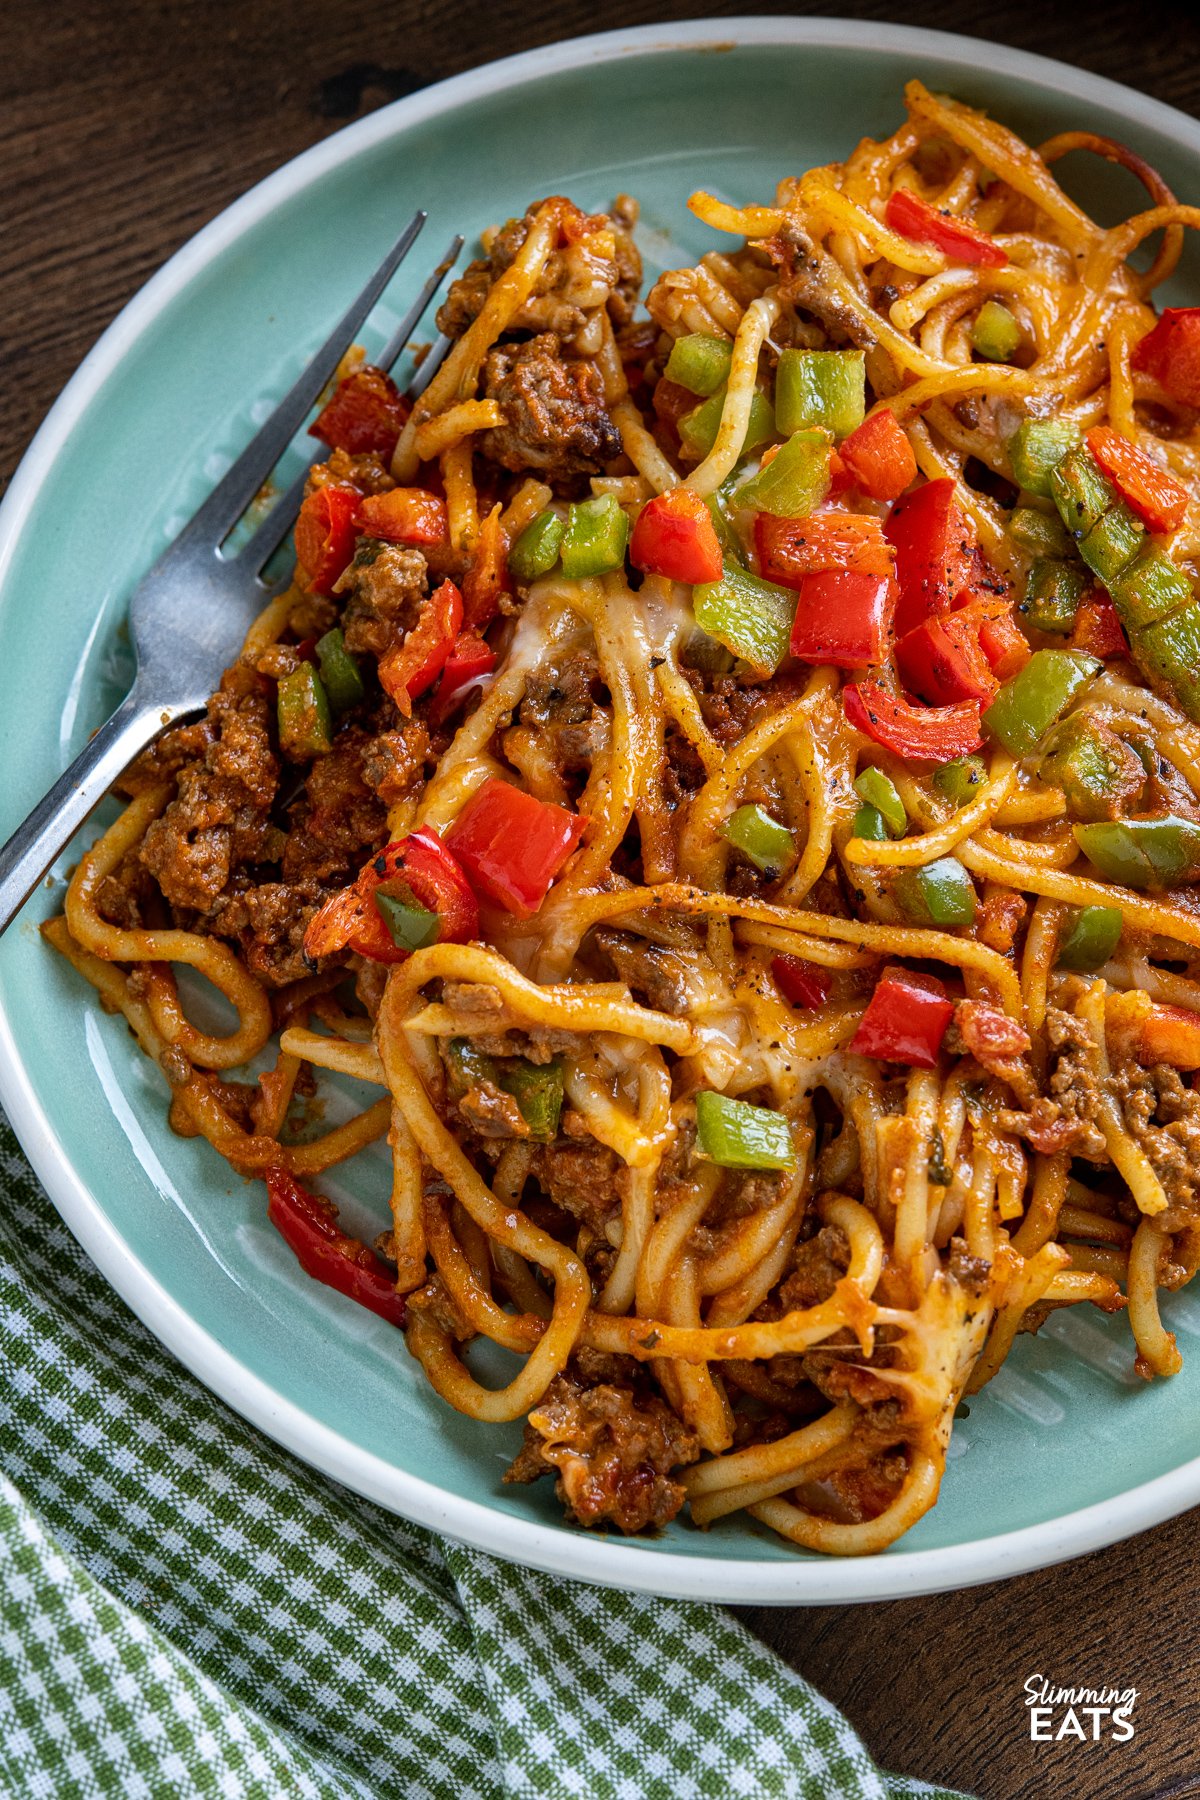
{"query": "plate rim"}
{"type": "Point", "coordinates": [631, 1565]}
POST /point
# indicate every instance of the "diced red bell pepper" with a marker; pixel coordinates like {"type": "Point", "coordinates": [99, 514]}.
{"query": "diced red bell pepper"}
{"type": "Point", "coordinates": [803, 983]}
{"type": "Point", "coordinates": [935, 552]}
{"type": "Point", "coordinates": [841, 477]}
{"type": "Point", "coordinates": [414, 664]}
{"type": "Point", "coordinates": [675, 536]}
{"type": "Point", "coordinates": [879, 457]}
{"type": "Point", "coordinates": [1004, 644]}
{"type": "Point", "coordinates": [326, 1252]}
{"type": "Point", "coordinates": [1098, 631]}
{"type": "Point", "coordinates": [513, 845]}
{"type": "Point", "coordinates": [405, 516]}
{"type": "Point", "coordinates": [486, 574]}
{"type": "Point", "coordinates": [366, 412]}
{"type": "Point", "coordinates": [906, 1020]}
{"type": "Point", "coordinates": [1171, 353]}
{"type": "Point", "coordinates": [469, 660]}
{"type": "Point", "coordinates": [1152, 492]}
{"type": "Point", "coordinates": [911, 217]}
{"type": "Point", "coordinates": [790, 549]}
{"type": "Point", "coordinates": [417, 870]}
{"type": "Point", "coordinates": [924, 733]}
{"type": "Point", "coordinates": [943, 660]}
{"type": "Point", "coordinates": [843, 618]}
{"type": "Point", "coordinates": [326, 534]}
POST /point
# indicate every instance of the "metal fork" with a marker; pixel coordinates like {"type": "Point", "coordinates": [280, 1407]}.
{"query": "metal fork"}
{"type": "Point", "coordinates": [189, 615]}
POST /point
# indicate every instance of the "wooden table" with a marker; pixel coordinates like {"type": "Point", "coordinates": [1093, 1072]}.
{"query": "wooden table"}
{"type": "Point", "coordinates": [123, 129]}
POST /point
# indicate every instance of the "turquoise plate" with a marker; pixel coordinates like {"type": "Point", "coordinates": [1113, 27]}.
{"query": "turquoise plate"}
{"type": "Point", "coordinates": [1067, 1450]}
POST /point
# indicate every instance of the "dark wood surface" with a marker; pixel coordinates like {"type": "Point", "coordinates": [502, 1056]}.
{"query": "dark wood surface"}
{"type": "Point", "coordinates": [123, 128]}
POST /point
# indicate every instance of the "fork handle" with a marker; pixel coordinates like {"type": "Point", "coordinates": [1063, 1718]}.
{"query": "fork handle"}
{"type": "Point", "coordinates": [55, 819]}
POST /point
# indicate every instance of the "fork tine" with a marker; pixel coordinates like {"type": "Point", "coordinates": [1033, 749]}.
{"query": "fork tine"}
{"type": "Point", "coordinates": [234, 492]}
{"type": "Point", "coordinates": [412, 317]}
{"type": "Point", "coordinates": [434, 357]}
{"type": "Point", "coordinates": [266, 538]}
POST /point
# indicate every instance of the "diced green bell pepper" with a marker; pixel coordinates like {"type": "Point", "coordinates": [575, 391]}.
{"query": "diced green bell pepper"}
{"type": "Point", "coordinates": [769, 845]}
{"type": "Point", "coordinates": [536, 549]}
{"type": "Point", "coordinates": [1149, 588]}
{"type": "Point", "coordinates": [1041, 533]}
{"type": "Point", "coordinates": [826, 388]}
{"type": "Point", "coordinates": [411, 927]}
{"type": "Point", "coordinates": [698, 429]}
{"type": "Point", "coordinates": [537, 1089]}
{"type": "Point", "coordinates": [1169, 654]}
{"type": "Point", "coordinates": [1028, 705]}
{"type": "Point", "coordinates": [1080, 491]}
{"type": "Point", "coordinates": [1097, 772]}
{"type": "Point", "coordinates": [704, 653]}
{"type": "Point", "coordinates": [1112, 543]}
{"type": "Point", "coordinates": [727, 537]}
{"type": "Point", "coordinates": [1143, 853]}
{"type": "Point", "coordinates": [1052, 595]}
{"type": "Point", "coordinates": [995, 333]}
{"type": "Point", "coordinates": [960, 781]}
{"type": "Point", "coordinates": [467, 1066]}
{"type": "Point", "coordinates": [340, 673]}
{"type": "Point", "coordinates": [869, 824]}
{"type": "Point", "coordinates": [941, 893]}
{"type": "Point", "coordinates": [595, 538]}
{"type": "Point", "coordinates": [700, 362]}
{"type": "Point", "coordinates": [879, 791]}
{"type": "Point", "coordinates": [1092, 935]}
{"type": "Point", "coordinates": [735, 1135]}
{"type": "Point", "coordinates": [794, 482]}
{"type": "Point", "coordinates": [1038, 446]}
{"type": "Point", "coordinates": [750, 616]}
{"type": "Point", "coordinates": [304, 727]}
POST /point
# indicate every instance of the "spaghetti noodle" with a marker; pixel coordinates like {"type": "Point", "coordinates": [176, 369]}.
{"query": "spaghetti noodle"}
{"type": "Point", "coordinates": [729, 778]}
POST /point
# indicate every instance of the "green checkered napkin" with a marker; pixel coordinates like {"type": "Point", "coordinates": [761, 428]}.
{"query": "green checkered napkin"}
{"type": "Point", "coordinates": [186, 1610]}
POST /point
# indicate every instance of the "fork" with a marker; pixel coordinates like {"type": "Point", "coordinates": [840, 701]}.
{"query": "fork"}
{"type": "Point", "coordinates": [189, 614]}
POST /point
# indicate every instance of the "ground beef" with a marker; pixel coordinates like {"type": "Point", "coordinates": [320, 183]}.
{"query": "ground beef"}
{"type": "Point", "coordinates": [654, 974]}
{"type": "Point", "coordinates": [338, 820]}
{"type": "Point", "coordinates": [574, 278]}
{"type": "Point", "coordinates": [613, 1446]}
{"type": "Point", "coordinates": [1164, 1117]}
{"type": "Point", "coordinates": [269, 921]}
{"type": "Point", "coordinates": [555, 417]}
{"type": "Point", "coordinates": [560, 710]}
{"type": "Point", "coordinates": [220, 817]}
{"type": "Point", "coordinates": [581, 1179]}
{"type": "Point", "coordinates": [729, 708]}
{"type": "Point", "coordinates": [385, 589]}
{"type": "Point", "coordinates": [491, 1113]}
{"type": "Point", "coordinates": [1064, 1118]}
{"type": "Point", "coordinates": [684, 773]}
{"type": "Point", "coordinates": [393, 762]}
{"type": "Point", "coordinates": [818, 1265]}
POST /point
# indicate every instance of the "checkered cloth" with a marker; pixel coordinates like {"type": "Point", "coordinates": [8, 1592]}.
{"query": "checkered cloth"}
{"type": "Point", "coordinates": [185, 1610]}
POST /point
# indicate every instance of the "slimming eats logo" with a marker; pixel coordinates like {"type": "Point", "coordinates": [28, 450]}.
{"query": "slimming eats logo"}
{"type": "Point", "coordinates": [1088, 1714]}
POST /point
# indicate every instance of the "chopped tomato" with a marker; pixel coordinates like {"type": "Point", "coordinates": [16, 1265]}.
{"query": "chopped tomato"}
{"type": "Point", "coordinates": [512, 845]}
{"type": "Point", "coordinates": [414, 664]}
{"type": "Point", "coordinates": [1098, 630]}
{"type": "Point", "coordinates": [675, 536]}
{"type": "Point", "coordinates": [486, 575]}
{"type": "Point", "coordinates": [843, 618]}
{"type": "Point", "coordinates": [1152, 491]}
{"type": "Point", "coordinates": [325, 534]}
{"type": "Point", "coordinates": [911, 217]}
{"type": "Point", "coordinates": [417, 870]}
{"type": "Point", "coordinates": [935, 549]}
{"type": "Point", "coordinates": [803, 983]}
{"type": "Point", "coordinates": [926, 733]}
{"type": "Point", "coordinates": [790, 549]}
{"type": "Point", "coordinates": [1004, 644]}
{"type": "Point", "coordinates": [989, 1034]}
{"type": "Point", "coordinates": [366, 412]}
{"type": "Point", "coordinates": [906, 1020]}
{"type": "Point", "coordinates": [1171, 353]}
{"type": "Point", "coordinates": [404, 516]}
{"type": "Point", "coordinates": [879, 457]}
{"type": "Point", "coordinates": [469, 660]}
{"type": "Point", "coordinates": [309, 1223]}
{"type": "Point", "coordinates": [944, 661]}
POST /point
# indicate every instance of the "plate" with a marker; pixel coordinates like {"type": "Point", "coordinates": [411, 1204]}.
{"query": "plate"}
{"type": "Point", "coordinates": [1066, 1450]}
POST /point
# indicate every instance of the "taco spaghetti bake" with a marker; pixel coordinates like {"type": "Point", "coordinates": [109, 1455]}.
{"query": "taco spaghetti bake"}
{"type": "Point", "coordinates": [728, 772]}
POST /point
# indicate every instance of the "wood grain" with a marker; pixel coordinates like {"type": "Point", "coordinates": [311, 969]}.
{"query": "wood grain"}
{"type": "Point", "coordinates": [122, 130]}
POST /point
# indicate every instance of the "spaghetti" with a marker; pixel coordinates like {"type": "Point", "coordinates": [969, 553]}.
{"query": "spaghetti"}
{"type": "Point", "coordinates": [729, 778]}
